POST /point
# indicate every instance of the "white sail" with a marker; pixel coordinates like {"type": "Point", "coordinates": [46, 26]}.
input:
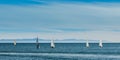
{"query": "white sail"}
{"type": "Point", "coordinates": [100, 43]}
{"type": "Point", "coordinates": [52, 44]}
{"type": "Point", "coordinates": [87, 44]}
{"type": "Point", "coordinates": [14, 42]}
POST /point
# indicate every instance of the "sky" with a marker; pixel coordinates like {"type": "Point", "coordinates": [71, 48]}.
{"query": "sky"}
{"type": "Point", "coordinates": [60, 19]}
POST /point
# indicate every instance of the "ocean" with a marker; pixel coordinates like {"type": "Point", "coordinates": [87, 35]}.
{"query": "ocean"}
{"type": "Point", "coordinates": [62, 51]}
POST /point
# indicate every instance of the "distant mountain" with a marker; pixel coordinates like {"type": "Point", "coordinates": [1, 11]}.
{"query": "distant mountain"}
{"type": "Point", "coordinates": [48, 41]}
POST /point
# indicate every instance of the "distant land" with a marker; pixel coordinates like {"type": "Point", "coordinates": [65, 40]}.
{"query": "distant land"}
{"type": "Point", "coordinates": [48, 41]}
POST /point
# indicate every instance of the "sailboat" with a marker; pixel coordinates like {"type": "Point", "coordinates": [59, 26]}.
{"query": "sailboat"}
{"type": "Point", "coordinates": [100, 44]}
{"type": "Point", "coordinates": [52, 44]}
{"type": "Point", "coordinates": [14, 42]}
{"type": "Point", "coordinates": [37, 43]}
{"type": "Point", "coordinates": [87, 44]}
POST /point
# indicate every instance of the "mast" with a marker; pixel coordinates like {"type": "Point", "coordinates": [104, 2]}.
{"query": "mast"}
{"type": "Point", "coordinates": [14, 42]}
{"type": "Point", "coordinates": [52, 44]}
{"type": "Point", "coordinates": [37, 43]}
{"type": "Point", "coordinates": [100, 44]}
{"type": "Point", "coordinates": [87, 44]}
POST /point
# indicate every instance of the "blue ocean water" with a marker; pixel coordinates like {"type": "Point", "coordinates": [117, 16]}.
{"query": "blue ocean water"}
{"type": "Point", "coordinates": [62, 51]}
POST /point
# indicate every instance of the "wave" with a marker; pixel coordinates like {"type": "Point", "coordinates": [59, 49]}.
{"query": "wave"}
{"type": "Point", "coordinates": [61, 55]}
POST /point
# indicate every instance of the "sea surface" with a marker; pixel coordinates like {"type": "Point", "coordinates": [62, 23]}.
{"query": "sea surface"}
{"type": "Point", "coordinates": [62, 51]}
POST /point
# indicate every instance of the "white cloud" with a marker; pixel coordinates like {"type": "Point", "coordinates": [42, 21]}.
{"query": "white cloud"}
{"type": "Point", "coordinates": [90, 35]}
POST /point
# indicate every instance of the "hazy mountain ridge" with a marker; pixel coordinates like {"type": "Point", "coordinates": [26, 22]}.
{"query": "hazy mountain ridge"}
{"type": "Point", "coordinates": [49, 40]}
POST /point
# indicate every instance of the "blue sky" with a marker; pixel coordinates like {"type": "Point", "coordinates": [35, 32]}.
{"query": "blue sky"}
{"type": "Point", "coordinates": [60, 19]}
